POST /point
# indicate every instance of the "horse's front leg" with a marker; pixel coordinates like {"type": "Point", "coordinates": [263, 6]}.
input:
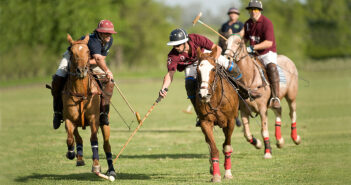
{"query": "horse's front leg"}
{"type": "Point", "coordinates": [207, 129]}
{"type": "Point", "coordinates": [265, 134]}
{"type": "Point", "coordinates": [227, 149]}
{"type": "Point", "coordinates": [70, 140]}
{"type": "Point", "coordinates": [247, 133]}
{"type": "Point", "coordinates": [79, 145]}
{"type": "Point", "coordinates": [96, 168]}
{"type": "Point", "coordinates": [107, 148]}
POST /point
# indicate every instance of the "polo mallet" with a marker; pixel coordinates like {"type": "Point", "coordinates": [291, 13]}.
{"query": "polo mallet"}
{"type": "Point", "coordinates": [124, 98]}
{"type": "Point", "coordinates": [197, 19]}
{"type": "Point", "coordinates": [140, 123]}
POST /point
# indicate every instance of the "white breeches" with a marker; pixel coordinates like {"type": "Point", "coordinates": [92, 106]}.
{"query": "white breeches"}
{"type": "Point", "coordinates": [268, 58]}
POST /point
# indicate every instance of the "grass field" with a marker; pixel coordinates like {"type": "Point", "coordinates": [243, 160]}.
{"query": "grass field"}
{"type": "Point", "coordinates": [168, 149]}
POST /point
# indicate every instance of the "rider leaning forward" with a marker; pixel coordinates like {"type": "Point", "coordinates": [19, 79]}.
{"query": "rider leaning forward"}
{"type": "Point", "coordinates": [99, 44]}
{"type": "Point", "coordinates": [183, 57]}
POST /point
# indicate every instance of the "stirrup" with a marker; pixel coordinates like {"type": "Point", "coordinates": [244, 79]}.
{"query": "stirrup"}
{"type": "Point", "coordinates": [272, 102]}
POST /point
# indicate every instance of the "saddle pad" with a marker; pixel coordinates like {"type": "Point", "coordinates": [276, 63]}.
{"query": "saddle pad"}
{"type": "Point", "coordinates": [282, 77]}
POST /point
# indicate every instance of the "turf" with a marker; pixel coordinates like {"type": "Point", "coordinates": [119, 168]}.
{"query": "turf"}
{"type": "Point", "coordinates": [169, 149]}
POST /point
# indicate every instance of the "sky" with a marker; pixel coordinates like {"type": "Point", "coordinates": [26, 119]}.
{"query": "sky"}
{"type": "Point", "coordinates": [215, 6]}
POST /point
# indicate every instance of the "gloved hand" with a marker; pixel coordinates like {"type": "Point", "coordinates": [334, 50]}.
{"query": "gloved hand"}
{"type": "Point", "coordinates": [109, 75]}
{"type": "Point", "coordinates": [250, 49]}
{"type": "Point", "coordinates": [163, 92]}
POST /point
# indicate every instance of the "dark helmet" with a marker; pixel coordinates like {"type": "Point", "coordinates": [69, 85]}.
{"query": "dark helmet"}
{"type": "Point", "coordinates": [177, 36]}
{"type": "Point", "coordinates": [255, 4]}
{"type": "Point", "coordinates": [233, 10]}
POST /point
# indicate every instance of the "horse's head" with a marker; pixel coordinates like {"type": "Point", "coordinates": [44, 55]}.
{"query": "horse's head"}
{"type": "Point", "coordinates": [235, 45]}
{"type": "Point", "coordinates": [206, 73]}
{"type": "Point", "coordinates": [79, 65]}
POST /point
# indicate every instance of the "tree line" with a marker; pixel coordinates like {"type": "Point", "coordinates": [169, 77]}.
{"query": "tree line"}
{"type": "Point", "coordinates": [33, 32]}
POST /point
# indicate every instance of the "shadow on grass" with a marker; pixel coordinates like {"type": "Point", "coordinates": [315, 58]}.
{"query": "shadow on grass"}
{"type": "Point", "coordinates": [79, 177]}
{"type": "Point", "coordinates": [162, 156]}
{"type": "Point", "coordinates": [157, 131]}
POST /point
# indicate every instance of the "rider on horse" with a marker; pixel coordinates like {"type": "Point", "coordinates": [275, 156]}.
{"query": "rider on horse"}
{"type": "Point", "coordinates": [259, 32]}
{"type": "Point", "coordinates": [99, 44]}
{"type": "Point", "coordinates": [183, 57]}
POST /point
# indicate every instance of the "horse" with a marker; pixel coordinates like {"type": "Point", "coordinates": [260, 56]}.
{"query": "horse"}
{"type": "Point", "coordinates": [217, 103]}
{"type": "Point", "coordinates": [81, 107]}
{"type": "Point", "coordinates": [254, 81]}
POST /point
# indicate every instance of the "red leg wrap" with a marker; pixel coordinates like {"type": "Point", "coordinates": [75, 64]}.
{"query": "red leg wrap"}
{"type": "Point", "coordinates": [293, 131]}
{"type": "Point", "coordinates": [278, 134]}
{"type": "Point", "coordinates": [215, 165]}
{"type": "Point", "coordinates": [227, 162]}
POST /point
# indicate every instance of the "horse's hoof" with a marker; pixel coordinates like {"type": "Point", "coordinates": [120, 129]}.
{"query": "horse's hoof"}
{"type": "Point", "coordinates": [267, 156]}
{"type": "Point", "coordinates": [228, 174]}
{"type": "Point", "coordinates": [96, 169]}
{"type": "Point", "coordinates": [70, 155]}
{"type": "Point", "coordinates": [258, 144]}
{"type": "Point", "coordinates": [216, 178]}
{"type": "Point", "coordinates": [280, 143]}
{"type": "Point", "coordinates": [298, 140]}
{"type": "Point", "coordinates": [111, 173]}
{"type": "Point", "coordinates": [80, 163]}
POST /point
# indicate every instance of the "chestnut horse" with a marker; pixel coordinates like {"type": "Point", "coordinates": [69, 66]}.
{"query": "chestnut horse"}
{"type": "Point", "coordinates": [255, 80]}
{"type": "Point", "coordinates": [81, 106]}
{"type": "Point", "coordinates": [217, 104]}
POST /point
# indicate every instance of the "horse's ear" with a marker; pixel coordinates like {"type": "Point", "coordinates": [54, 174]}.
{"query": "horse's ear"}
{"type": "Point", "coordinates": [199, 52]}
{"type": "Point", "coordinates": [69, 38]}
{"type": "Point", "coordinates": [86, 39]}
{"type": "Point", "coordinates": [214, 52]}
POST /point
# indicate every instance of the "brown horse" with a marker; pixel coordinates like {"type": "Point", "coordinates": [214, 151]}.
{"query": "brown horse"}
{"type": "Point", "coordinates": [81, 106]}
{"type": "Point", "coordinates": [217, 104]}
{"type": "Point", "coordinates": [254, 80]}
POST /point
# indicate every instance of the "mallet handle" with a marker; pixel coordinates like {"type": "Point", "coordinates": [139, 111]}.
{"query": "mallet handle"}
{"type": "Point", "coordinates": [212, 29]}
{"type": "Point", "coordinates": [140, 123]}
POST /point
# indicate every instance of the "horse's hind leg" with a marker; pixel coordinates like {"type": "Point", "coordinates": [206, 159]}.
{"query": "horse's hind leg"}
{"type": "Point", "coordinates": [107, 148]}
{"type": "Point", "coordinates": [79, 145]}
{"type": "Point", "coordinates": [70, 140]}
{"type": "Point", "coordinates": [278, 123]}
{"type": "Point", "coordinates": [292, 106]}
{"type": "Point", "coordinates": [228, 149]}
{"type": "Point", "coordinates": [247, 133]}
{"type": "Point", "coordinates": [207, 129]}
{"type": "Point", "coordinates": [95, 147]}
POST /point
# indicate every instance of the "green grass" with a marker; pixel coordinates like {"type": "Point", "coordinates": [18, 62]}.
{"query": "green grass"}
{"type": "Point", "coordinates": [168, 149]}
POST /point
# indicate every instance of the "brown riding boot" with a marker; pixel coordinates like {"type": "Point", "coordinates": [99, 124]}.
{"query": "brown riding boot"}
{"type": "Point", "coordinates": [57, 85]}
{"type": "Point", "coordinates": [273, 77]}
{"type": "Point", "coordinates": [105, 101]}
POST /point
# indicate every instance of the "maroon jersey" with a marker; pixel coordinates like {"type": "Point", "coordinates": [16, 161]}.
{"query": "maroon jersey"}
{"type": "Point", "coordinates": [259, 31]}
{"type": "Point", "coordinates": [179, 61]}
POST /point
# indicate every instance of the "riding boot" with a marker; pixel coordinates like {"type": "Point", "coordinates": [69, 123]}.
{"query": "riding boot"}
{"type": "Point", "coordinates": [190, 87]}
{"type": "Point", "coordinates": [57, 85]}
{"type": "Point", "coordinates": [273, 77]}
{"type": "Point", "coordinates": [105, 102]}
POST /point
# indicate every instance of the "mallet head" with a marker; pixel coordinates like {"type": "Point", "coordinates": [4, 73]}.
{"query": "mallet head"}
{"type": "Point", "coordinates": [197, 18]}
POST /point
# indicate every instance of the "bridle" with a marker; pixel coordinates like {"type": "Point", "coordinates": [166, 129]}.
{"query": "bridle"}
{"type": "Point", "coordinates": [79, 72]}
{"type": "Point", "coordinates": [238, 51]}
{"type": "Point", "coordinates": [213, 87]}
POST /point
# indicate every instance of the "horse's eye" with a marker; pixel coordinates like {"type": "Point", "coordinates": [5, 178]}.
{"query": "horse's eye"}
{"type": "Point", "coordinates": [213, 69]}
